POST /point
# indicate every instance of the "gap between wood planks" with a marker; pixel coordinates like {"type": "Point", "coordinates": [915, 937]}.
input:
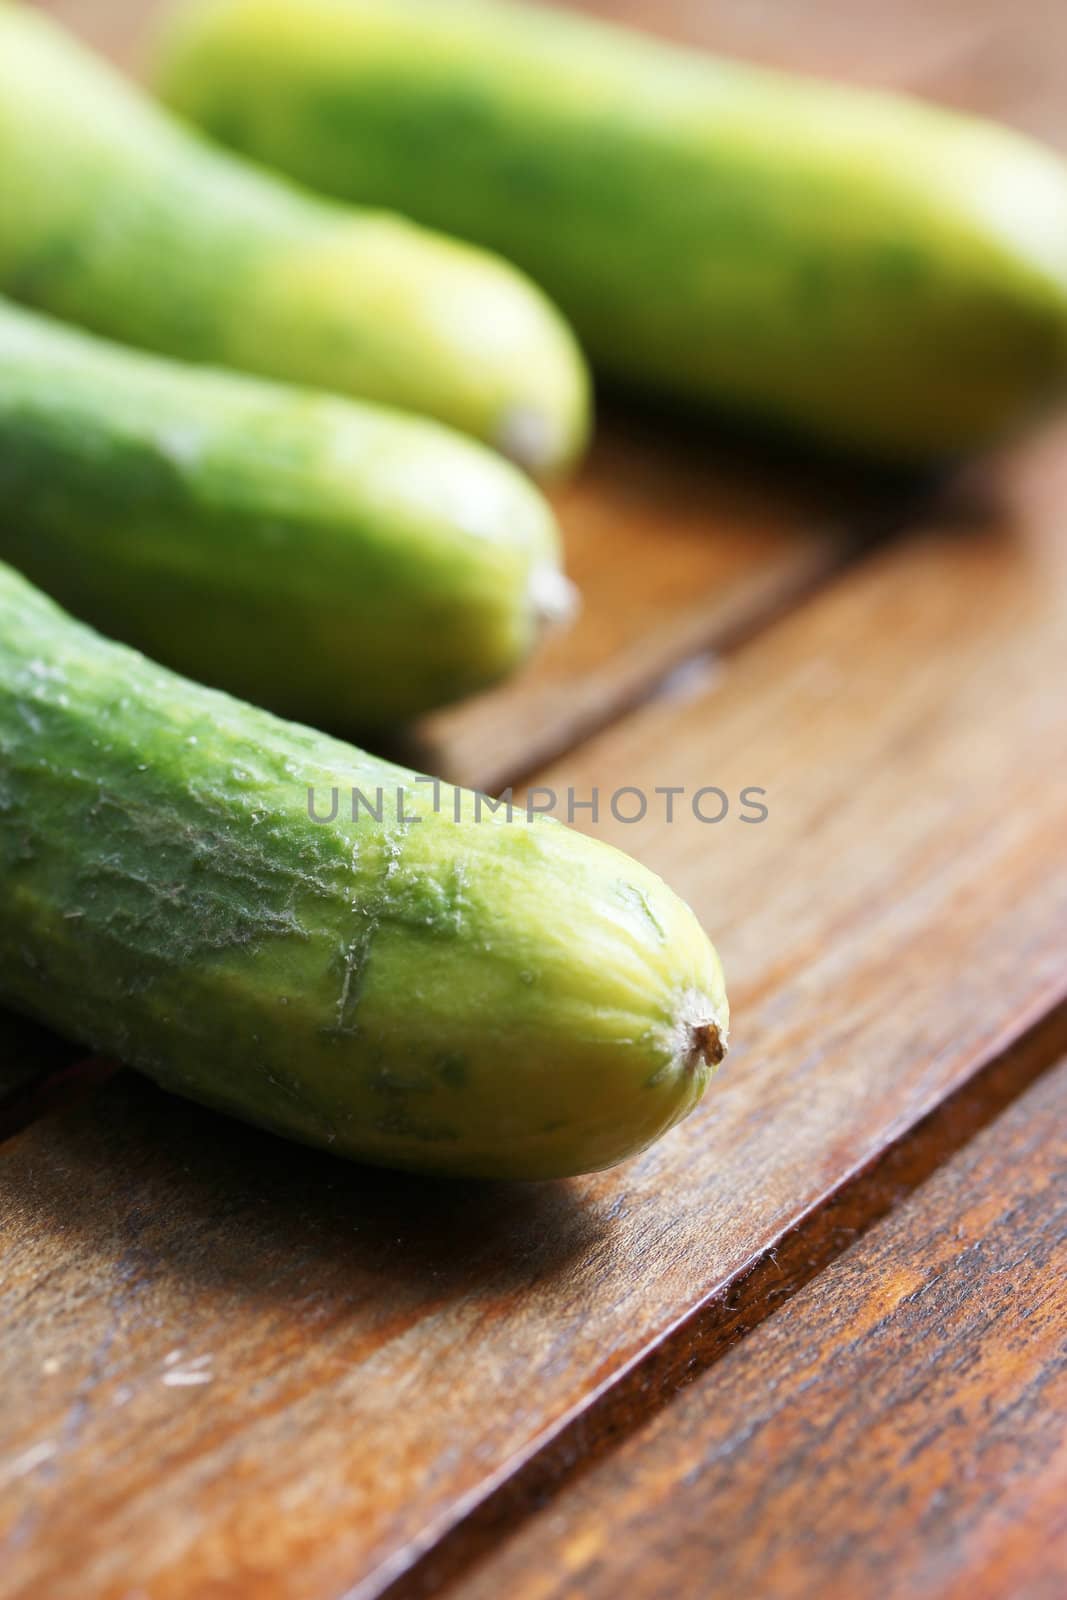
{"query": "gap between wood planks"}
{"type": "Point", "coordinates": [706, 1334]}
{"type": "Point", "coordinates": [708, 644]}
{"type": "Point", "coordinates": [960, 495]}
{"type": "Point", "coordinates": [830, 1228]}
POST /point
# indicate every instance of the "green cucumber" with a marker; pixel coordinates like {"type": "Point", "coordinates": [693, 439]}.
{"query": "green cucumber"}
{"type": "Point", "coordinates": [483, 997]}
{"type": "Point", "coordinates": [855, 266]}
{"type": "Point", "coordinates": [114, 216]}
{"type": "Point", "coordinates": [342, 564]}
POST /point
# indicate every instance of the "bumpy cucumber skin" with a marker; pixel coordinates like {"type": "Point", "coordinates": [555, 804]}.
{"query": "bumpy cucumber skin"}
{"type": "Point", "coordinates": [336, 562]}
{"type": "Point", "coordinates": [482, 998]}
{"type": "Point", "coordinates": [860, 267]}
{"type": "Point", "coordinates": [113, 215]}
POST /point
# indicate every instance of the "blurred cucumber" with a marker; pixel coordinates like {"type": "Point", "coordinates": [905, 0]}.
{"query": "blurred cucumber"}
{"type": "Point", "coordinates": [340, 563]}
{"type": "Point", "coordinates": [863, 268]}
{"type": "Point", "coordinates": [114, 215]}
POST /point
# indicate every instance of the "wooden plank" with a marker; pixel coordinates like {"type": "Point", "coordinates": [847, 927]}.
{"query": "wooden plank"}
{"type": "Point", "coordinates": [677, 547]}
{"type": "Point", "coordinates": [896, 1430]}
{"type": "Point", "coordinates": [278, 1376]}
{"type": "Point", "coordinates": [194, 1234]}
{"type": "Point", "coordinates": [820, 1238]}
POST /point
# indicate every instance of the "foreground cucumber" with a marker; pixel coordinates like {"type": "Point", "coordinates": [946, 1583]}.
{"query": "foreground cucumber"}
{"type": "Point", "coordinates": [343, 564]}
{"type": "Point", "coordinates": [481, 997]}
{"type": "Point", "coordinates": [860, 267]}
{"type": "Point", "coordinates": [113, 215]}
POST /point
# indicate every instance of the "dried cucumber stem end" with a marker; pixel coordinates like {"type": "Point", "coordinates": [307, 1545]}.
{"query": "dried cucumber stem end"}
{"type": "Point", "coordinates": [554, 599]}
{"type": "Point", "coordinates": [701, 1032]}
{"type": "Point", "coordinates": [707, 1045]}
{"type": "Point", "coordinates": [532, 439]}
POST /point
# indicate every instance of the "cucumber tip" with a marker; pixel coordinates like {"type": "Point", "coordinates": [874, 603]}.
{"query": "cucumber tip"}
{"type": "Point", "coordinates": [554, 599]}
{"type": "Point", "coordinates": [531, 439]}
{"type": "Point", "coordinates": [700, 1033]}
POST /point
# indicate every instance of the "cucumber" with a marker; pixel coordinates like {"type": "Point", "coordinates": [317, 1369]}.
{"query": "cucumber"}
{"type": "Point", "coordinates": [114, 216]}
{"type": "Point", "coordinates": [339, 563]}
{"type": "Point", "coordinates": [479, 997]}
{"type": "Point", "coordinates": [853, 266]}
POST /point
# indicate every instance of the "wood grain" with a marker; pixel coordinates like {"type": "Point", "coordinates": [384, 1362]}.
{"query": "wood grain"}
{"type": "Point", "coordinates": [679, 546]}
{"type": "Point", "coordinates": [374, 1353]}
{"type": "Point", "coordinates": [233, 1368]}
{"type": "Point", "coordinates": [819, 1239]}
{"type": "Point", "coordinates": [896, 1430]}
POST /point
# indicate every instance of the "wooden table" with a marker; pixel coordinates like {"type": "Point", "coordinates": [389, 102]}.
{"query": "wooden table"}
{"type": "Point", "coordinates": [814, 1342]}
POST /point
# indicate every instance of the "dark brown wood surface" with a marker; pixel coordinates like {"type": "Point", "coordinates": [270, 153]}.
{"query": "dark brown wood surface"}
{"type": "Point", "coordinates": [678, 547]}
{"type": "Point", "coordinates": [896, 1430]}
{"type": "Point", "coordinates": [287, 1376]}
{"type": "Point", "coordinates": [231, 1367]}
